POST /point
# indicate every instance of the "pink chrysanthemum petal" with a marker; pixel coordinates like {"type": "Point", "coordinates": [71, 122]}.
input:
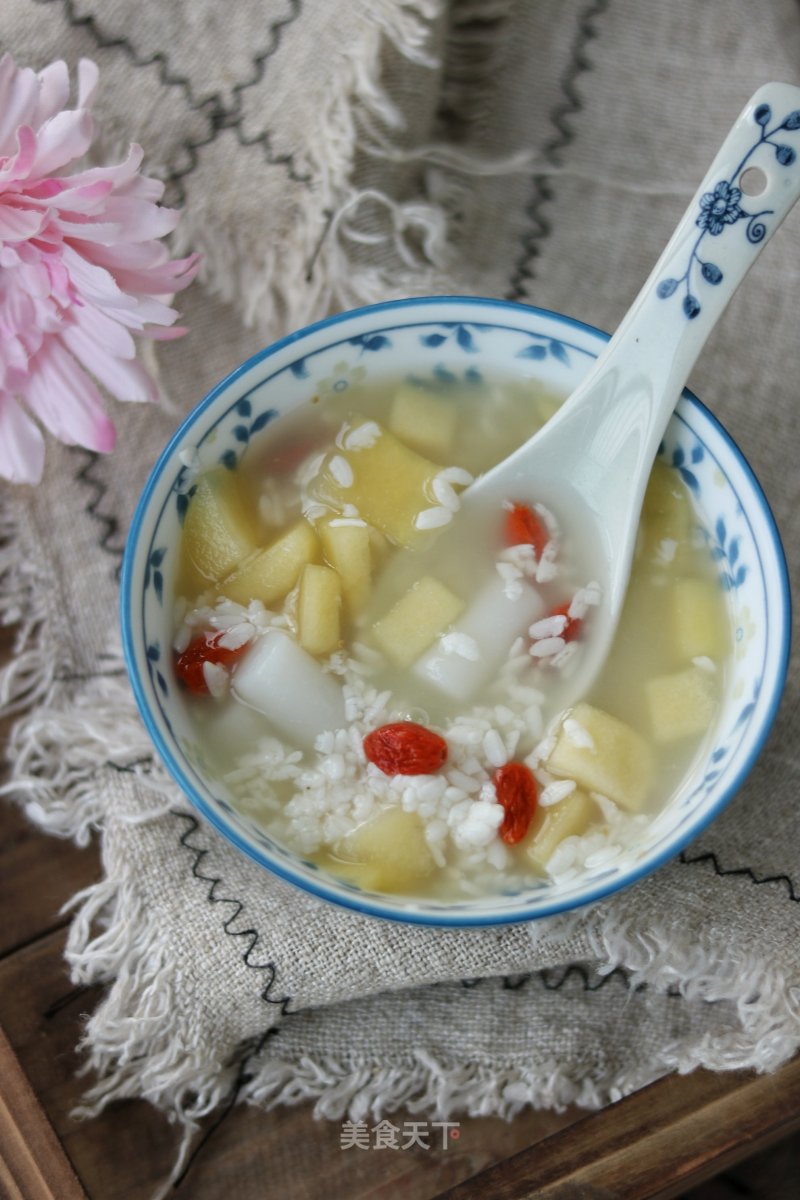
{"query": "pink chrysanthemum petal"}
{"type": "Point", "coordinates": [88, 77]}
{"type": "Point", "coordinates": [158, 334]}
{"type": "Point", "coordinates": [104, 329]}
{"type": "Point", "coordinates": [124, 378]}
{"type": "Point", "coordinates": [65, 136]}
{"type": "Point", "coordinates": [63, 397]}
{"type": "Point", "coordinates": [20, 224]}
{"type": "Point", "coordinates": [19, 97]}
{"type": "Point", "coordinates": [53, 92]}
{"type": "Point", "coordinates": [18, 164]}
{"type": "Point", "coordinates": [81, 269]}
{"type": "Point", "coordinates": [118, 175]}
{"type": "Point", "coordinates": [21, 443]}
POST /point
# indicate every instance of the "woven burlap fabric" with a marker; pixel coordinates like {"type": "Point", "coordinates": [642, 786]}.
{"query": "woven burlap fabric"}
{"type": "Point", "coordinates": [546, 152]}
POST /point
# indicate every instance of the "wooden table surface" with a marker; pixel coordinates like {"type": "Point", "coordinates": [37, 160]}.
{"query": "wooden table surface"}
{"type": "Point", "coordinates": [660, 1142]}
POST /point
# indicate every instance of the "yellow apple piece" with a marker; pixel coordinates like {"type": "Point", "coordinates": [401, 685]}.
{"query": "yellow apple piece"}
{"type": "Point", "coordinates": [570, 817]}
{"type": "Point", "coordinates": [390, 853]}
{"type": "Point", "coordinates": [387, 483]}
{"type": "Point", "coordinates": [218, 530]}
{"type": "Point", "coordinates": [603, 754]}
{"type": "Point", "coordinates": [698, 621]}
{"type": "Point", "coordinates": [666, 515]}
{"type": "Point", "coordinates": [269, 574]}
{"type": "Point", "coordinates": [347, 548]}
{"type": "Point", "coordinates": [424, 421]}
{"type": "Point", "coordinates": [414, 622]}
{"type": "Point", "coordinates": [319, 605]}
{"type": "Point", "coordinates": [682, 704]}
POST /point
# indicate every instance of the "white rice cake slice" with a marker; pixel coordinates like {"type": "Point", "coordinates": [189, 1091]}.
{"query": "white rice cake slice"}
{"type": "Point", "coordinates": [416, 620]}
{"type": "Point", "coordinates": [281, 680]}
{"type": "Point", "coordinates": [570, 817]}
{"type": "Point", "coordinates": [493, 622]}
{"type": "Point", "coordinates": [319, 607]}
{"type": "Point", "coordinates": [424, 421]}
{"type": "Point", "coordinates": [697, 619]}
{"type": "Point", "coordinates": [271, 574]}
{"type": "Point", "coordinates": [603, 754]}
{"type": "Point", "coordinates": [390, 853]}
{"type": "Point", "coordinates": [682, 704]}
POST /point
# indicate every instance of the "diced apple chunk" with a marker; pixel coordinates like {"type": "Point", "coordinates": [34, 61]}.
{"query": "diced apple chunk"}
{"type": "Point", "coordinates": [218, 531]}
{"type": "Point", "coordinates": [347, 549]}
{"type": "Point", "coordinates": [570, 817]}
{"type": "Point", "coordinates": [424, 421]}
{"type": "Point", "coordinates": [390, 853]}
{"type": "Point", "coordinates": [389, 484]}
{"type": "Point", "coordinates": [270, 574]}
{"type": "Point", "coordinates": [416, 620]}
{"type": "Point", "coordinates": [698, 619]}
{"type": "Point", "coordinates": [666, 515]}
{"type": "Point", "coordinates": [603, 754]}
{"type": "Point", "coordinates": [682, 704]}
{"type": "Point", "coordinates": [379, 545]}
{"type": "Point", "coordinates": [319, 606]}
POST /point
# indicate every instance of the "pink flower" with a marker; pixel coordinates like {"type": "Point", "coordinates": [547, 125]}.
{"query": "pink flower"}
{"type": "Point", "coordinates": [81, 270]}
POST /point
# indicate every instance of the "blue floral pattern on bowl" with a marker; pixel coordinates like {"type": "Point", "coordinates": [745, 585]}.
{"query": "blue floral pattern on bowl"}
{"type": "Point", "coordinates": [444, 339]}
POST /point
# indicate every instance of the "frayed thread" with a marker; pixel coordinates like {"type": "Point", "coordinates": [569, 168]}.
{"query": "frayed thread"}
{"type": "Point", "coordinates": [67, 754]}
{"type": "Point", "coordinates": [705, 970]}
{"type": "Point", "coordinates": [425, 1084]}
{"type": "Point", "coordinates": [314, 272]}
{"type": "Point", "coordinates": [24, 587]}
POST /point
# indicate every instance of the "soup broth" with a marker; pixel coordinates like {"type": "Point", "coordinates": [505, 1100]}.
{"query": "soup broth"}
{"type": "Point", "coordinates": [385, 697]}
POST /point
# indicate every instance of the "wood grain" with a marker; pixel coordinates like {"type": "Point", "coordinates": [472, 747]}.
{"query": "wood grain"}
{"type": "Point", "coordinates": [656, 1143]}
{"type": "Point", "coordinates": [33, 1166]}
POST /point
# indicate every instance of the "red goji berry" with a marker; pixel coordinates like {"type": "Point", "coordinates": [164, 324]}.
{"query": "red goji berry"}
{"type": "Point", "coordinates": [286, 458]}
{"type": "Point", "coordinates": [574, 626]}
{"type": "Point", "coordinates": [405, 749]}
{"type": "Point", "coordinates": [203, 649]}
{"type": "Point", "coordinates": [524, 526]}
{"type": "Point", "coordinates": [517, 792]}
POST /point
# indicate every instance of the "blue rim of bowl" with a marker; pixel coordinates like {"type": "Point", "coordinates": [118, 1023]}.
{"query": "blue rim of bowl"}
{"type": "Point", "coordinates": [353, 901]}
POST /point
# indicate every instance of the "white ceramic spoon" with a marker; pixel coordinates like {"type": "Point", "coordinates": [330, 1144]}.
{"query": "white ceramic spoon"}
{"type": "Point", "coordinates": [591, 462]}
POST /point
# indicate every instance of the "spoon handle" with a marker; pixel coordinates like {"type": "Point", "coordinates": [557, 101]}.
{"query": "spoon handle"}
{"type": "Point", "coordinates": [749, 188]}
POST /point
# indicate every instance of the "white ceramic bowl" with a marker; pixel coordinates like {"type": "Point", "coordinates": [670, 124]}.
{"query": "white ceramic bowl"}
{"type": "Point", "coordinates": [466, 338]}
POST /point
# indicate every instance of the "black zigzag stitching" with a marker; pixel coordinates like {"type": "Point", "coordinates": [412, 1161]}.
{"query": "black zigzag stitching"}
{"type": "Point", "coordinates": [219, 115]}
{"type": "Point", "coordinates": [542, 191]}
{"type": "Point", "coordinates": [259, 61]}
{"type": "Point", "coordinates": [110, 527]}
{"type": "Point", "coordinates": [553, 979]}
{"type": "Point", "coordinates": [745, 872]}
{"type": "Point", "coordinates": [250, 1049]}
{"type": "Point", "coordinates": [108, 42]}
{"type": "Point", "coordinates": [553, 982]}
{"type": "Point", "coordinates": [250, 936]}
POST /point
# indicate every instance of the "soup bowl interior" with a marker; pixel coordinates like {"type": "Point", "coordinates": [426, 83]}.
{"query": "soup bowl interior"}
{"type": "Point", "coordinates": [467, 340]}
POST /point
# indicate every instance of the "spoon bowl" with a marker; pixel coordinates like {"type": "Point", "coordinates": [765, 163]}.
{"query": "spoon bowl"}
{"type": "Point", "coordinates": [591, 462]}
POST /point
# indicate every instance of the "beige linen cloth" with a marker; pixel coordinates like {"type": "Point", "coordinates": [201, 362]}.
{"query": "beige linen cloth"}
{"type": "Point", "coordinates": [328, 154]}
